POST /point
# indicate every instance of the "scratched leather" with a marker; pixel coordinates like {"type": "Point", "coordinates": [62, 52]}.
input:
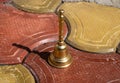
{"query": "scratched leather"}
{"type": "Point", "coordinates": [26, 29]}
{"type": "Point", "coordinates": [86, 67]}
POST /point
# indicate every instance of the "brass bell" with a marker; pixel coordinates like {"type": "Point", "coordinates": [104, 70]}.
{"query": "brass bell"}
{"type": "Point", "coordinates": [60, 57]}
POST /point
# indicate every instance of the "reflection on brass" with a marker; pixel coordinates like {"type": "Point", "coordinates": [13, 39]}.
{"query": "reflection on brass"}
{"type": "Point", "coordinates": [37, 6]}
{"type": "Point", "coordinates": [93, 27]}
{"type": "Point", "coordinates": [60, 57]}
{"type": "Point", "coordinates": [15, 74]}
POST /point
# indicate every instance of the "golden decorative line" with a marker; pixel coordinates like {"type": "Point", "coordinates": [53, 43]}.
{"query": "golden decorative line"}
{"type": "Point", "coordinates": [92, 29]}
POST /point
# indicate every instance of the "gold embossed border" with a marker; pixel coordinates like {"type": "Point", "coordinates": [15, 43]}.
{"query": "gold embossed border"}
{"type": "Point", "coordinates": [15, 74]}
{"type": "Point", "coordinates": [37, 6]}
{"type": "Point", "coordinates": [94, 28]}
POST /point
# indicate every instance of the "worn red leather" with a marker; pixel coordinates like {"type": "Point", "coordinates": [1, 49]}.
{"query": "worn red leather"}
{"type": "Point", "coordinates": [29, 38]}
{"type": "Point", "coordinates": [20, 32]}
{"type": "Point", "coordinates": [86, 67]}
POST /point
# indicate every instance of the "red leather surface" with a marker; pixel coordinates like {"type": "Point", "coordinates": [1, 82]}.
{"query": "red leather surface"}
{"type": "Point", "coordinates": [86, 67]}
{"type": "Point", "coordinates": [29, 38]}
{"type": "Point", "coordinates": [20, 30]}
{"type": "Point", "coordinates": [3, 0]}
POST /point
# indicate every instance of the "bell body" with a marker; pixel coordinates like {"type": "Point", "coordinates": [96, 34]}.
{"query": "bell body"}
{"type": "Point", "coordinates": [60, 57]}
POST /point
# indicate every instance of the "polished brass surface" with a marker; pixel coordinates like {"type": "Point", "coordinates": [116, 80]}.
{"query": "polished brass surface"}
{"type": "Point", "coordinates": [37, 6]}
{"type": "Point", "coordinates": [15, 74]}
{"type": "Point", "coordinates": [93, 27]}
{"type": "Point", "coordinates": [60, 57]}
